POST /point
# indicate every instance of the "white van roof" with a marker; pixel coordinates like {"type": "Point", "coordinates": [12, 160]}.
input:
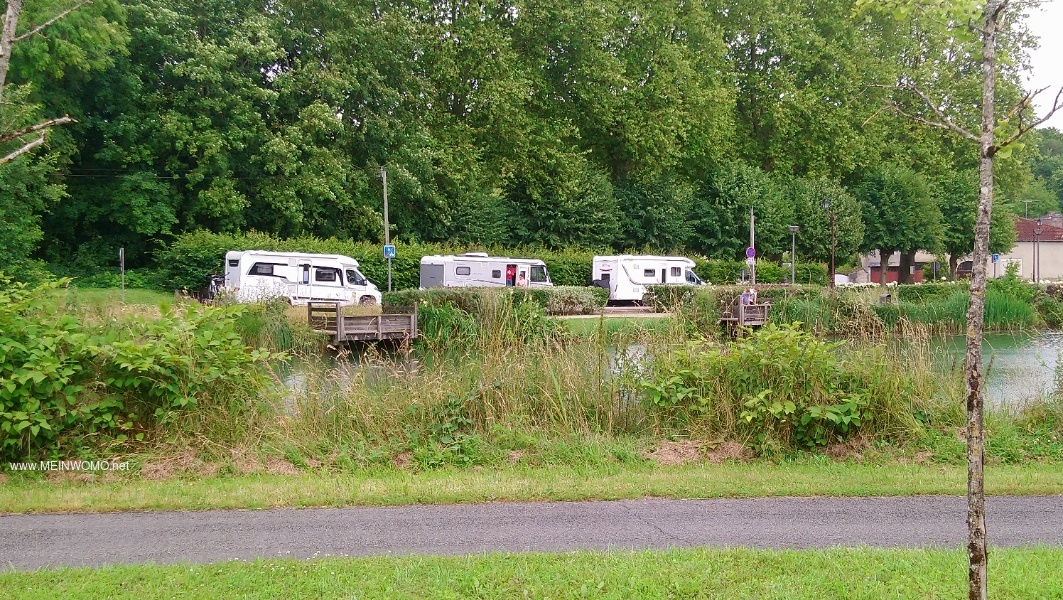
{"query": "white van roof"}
{"type": "Point", "coordinates": [647, 257]}
{"type": "Point", "coordinates": [441, 258]}
{"type": "Point", "coordinates": [238, 254]}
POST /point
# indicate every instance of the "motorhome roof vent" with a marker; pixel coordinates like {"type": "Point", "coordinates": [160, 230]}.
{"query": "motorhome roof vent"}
{"type": "Point", "coordinates": [476, 254]}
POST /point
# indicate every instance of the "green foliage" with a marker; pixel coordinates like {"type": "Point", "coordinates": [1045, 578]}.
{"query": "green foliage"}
{"type": "Point", "coordinates": [181, 358]}
{"type": "Point", "coordinates": [60, 376]}
{"type": "Point", "coordinates": [557, 300]}
{"type": "Point", "coordinates": [42, 364]}
{"type": "Point", "coordinates": [724, 272]}
{"type": "Point", "coordinates": [448, 438]}
{"type": "Point", "coordinates": [780, 387]}
{"type": "Point", "coordinates": [898, 212]}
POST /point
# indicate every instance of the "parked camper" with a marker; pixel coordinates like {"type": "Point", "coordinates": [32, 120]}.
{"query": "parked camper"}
{"type": "Point", "coordinates": [253, 275]}
{"type": "Point", "coordinates": [627, 276]}
{"type": "Point", "coordinates": [477, 269]}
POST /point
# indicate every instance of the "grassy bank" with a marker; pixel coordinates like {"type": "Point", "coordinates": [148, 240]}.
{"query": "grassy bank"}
{"type": "Point", "coordinates": [390, 486]}
{"type": "Point", "coordinates": [502, 389]}
{"type": "Point", "coordinates": [678, 573]}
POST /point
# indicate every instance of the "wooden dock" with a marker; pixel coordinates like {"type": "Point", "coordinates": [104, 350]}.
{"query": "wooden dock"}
{"type": "Point", "coordinates": [745, 315]}
{"type": "Point", "coordinates": [396, 323]}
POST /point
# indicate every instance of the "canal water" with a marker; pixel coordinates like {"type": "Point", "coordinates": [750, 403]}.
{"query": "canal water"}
{"type": "Point", "coordinates": [1019, 367]}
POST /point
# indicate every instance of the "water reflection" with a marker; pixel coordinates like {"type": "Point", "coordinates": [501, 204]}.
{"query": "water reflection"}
{"type": "Point", "coordinates": [1020, 367]}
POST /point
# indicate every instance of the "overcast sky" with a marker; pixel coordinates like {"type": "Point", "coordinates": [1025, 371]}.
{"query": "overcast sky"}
{"type": "Point", "coordinates": [1047, 24]}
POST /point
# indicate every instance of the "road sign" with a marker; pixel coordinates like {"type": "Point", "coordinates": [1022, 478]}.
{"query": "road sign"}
{"type": "Point", "coordinates": [389, 251]}
{"type": "Point", "coordinates": [750, 252]}
{"type": "Point", "coordinates": [751, 261]}
{"type": "Point", "coordinates": [996, 257]}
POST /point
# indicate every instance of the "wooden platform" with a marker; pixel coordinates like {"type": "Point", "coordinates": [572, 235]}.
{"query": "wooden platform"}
{"type": "Point", "coordinates": [396, 323]}
{"type": "Point", "coordinates": [745, 315]}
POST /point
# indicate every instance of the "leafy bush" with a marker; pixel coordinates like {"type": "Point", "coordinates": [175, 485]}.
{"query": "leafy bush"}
{"type": "Point", "coordinates": [922, 292]}
{"type": "Point", "coordinates": [780, 387]}
{"type": "Point", "coordinates": [58, 376]}
{"type": "Point", "coordinates": [42, 370]}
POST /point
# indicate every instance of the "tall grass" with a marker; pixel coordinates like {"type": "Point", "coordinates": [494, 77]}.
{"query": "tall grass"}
{"type": "Point", "coordinates": [860, 313]}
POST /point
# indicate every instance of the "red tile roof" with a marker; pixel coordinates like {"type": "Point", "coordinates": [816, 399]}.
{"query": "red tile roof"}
{"type": "Point", "coordinates": [1051, 229]}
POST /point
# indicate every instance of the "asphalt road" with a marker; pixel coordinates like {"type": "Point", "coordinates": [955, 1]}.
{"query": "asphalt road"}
{"type": "Point", "coordinates": [34, 541]}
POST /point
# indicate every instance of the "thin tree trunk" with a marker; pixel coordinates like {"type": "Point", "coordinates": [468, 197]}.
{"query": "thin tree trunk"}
{"type": "Point", "coordinates": [904, 268]}
{"type": "Point", "coordinates": [7, 39]}
{"type": "Point", "coordinates": [976, 530]}
{"type": "Point", "coordinates": [954, 264]}
{"type": "Point", "coordinates": [883, 265]}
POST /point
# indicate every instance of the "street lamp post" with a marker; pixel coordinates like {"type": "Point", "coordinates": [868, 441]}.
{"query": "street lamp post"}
{"type": "Point", "coordinates": [387, 226]}
{"type": "Point", "coordinates": [830, 213]}
{"type": "Point", "coordinates": [1037, 252]}
{"type": "Point", "coordinates": [793, 256]}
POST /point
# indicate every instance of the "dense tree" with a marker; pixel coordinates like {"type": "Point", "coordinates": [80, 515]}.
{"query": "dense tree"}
{"type": "Point", "coordinates": [957, 198]}
{"type": "Point", "coordinates": [898, 214]}
{"type": "Point", "coordinates": [814, 238]}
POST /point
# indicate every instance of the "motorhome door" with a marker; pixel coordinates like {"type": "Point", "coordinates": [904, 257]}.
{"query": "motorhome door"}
{"type": "Point", "coordinates": [511, 275]}
{"type": "Point", "coordinates": [305, 286]}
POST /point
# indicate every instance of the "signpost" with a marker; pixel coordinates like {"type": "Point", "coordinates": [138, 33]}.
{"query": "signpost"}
{"type": "Point", "coordinates": [387, 226]}
{"type": "Point", "coordinates": [996, 259]}
{"type": "Point", "coordinates": [751, 260]}
{"type": "Point", "coordinates": [121, 266]}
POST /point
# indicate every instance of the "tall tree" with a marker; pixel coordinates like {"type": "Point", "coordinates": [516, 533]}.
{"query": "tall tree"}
{"type": "Point", "coordinates": [976, 27]}
{"type": "Point", "coordinates": [898, 214]}
{"type": "Point", "coordinates": [957, 198]}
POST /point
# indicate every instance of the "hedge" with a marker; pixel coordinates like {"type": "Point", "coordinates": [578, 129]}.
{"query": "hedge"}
{"type": "Point", "coordinates": [557, 300]}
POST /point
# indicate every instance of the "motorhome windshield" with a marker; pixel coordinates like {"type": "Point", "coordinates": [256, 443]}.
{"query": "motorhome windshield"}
{"type": "Point", "coordinates": [539, 274]}
{"type": "Point", "coordinates": [692, 278]}
{"type": "Point", "coordinates": [355, 278]}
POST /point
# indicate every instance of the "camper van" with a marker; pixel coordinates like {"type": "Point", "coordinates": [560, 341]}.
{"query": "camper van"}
{"type": "Point", "coordinates": [253, 275]}
{"type": "Point", "coordinates": [627, 276]}
{"type": "Point", "coordinates": [477, 269]}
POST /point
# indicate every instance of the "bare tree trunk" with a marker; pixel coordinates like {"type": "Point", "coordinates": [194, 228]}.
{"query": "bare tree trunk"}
{"type": "Point", "coordinates": [977, 552]}
{"type": "Point", "coordinates": [7, 39]}
{"type": "Point", "coordinates": [954, 264]}
{"type": "Point", "coordinates": [883, 265]}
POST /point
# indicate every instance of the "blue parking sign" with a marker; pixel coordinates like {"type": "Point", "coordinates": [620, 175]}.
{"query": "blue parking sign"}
{"type": "Point", "coordinates": [389, 251]}
{"type": "Point", "coordinates": [996, 257]}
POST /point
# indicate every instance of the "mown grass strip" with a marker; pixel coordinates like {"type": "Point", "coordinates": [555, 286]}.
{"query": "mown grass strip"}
{"type": "Point", "coordinates": [681, 573]}
{"type": "Point", "coordinates": [392, 487]}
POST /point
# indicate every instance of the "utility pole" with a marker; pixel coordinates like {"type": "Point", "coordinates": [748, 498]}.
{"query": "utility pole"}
{"type": "Point", "coordinates": [1027, 202]}
{"type": "Point", "coordinates": [830, 214]}
{"type": "Point", "coordinates": [1037, 252]}
{"type": "Point", "coordinates": [387, 226]}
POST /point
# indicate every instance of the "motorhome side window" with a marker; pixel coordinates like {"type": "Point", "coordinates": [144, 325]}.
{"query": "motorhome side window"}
{"type": "Point", "coordinates": [677, 271]}
{"type": "Point", "coordinates": [321, 274]}
{"type": "Point", "coordinates": [538, 274]}
{"type": "Point", "coordinates": [649, 273]}
{"type": "Point", "coordinates": [496, 274]}
{"type": "Point", "coordinates": [355, 278]}
{"type": "Point", "coordinates": [462, 271]}
{"type": "Point", "coordinates": [261, 269]}
{"type": "Point", "coordinates": [692, 278]}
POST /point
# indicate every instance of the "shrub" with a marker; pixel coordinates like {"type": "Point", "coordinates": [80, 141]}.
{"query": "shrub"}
{"type": "Point", "coordinates": [58, 376]}
{"type": "Point", "coordinates": [780, 387]}
{"type": "Point", "coordinates": [42, 370]}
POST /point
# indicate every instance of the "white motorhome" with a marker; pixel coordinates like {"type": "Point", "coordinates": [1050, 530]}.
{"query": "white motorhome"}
{"type": "Point", "coordinates": [253, 275]}
{"type": "Point", "coordinates": [477, 269]}
{"type": "Point", "coordinates": [626, 276]}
